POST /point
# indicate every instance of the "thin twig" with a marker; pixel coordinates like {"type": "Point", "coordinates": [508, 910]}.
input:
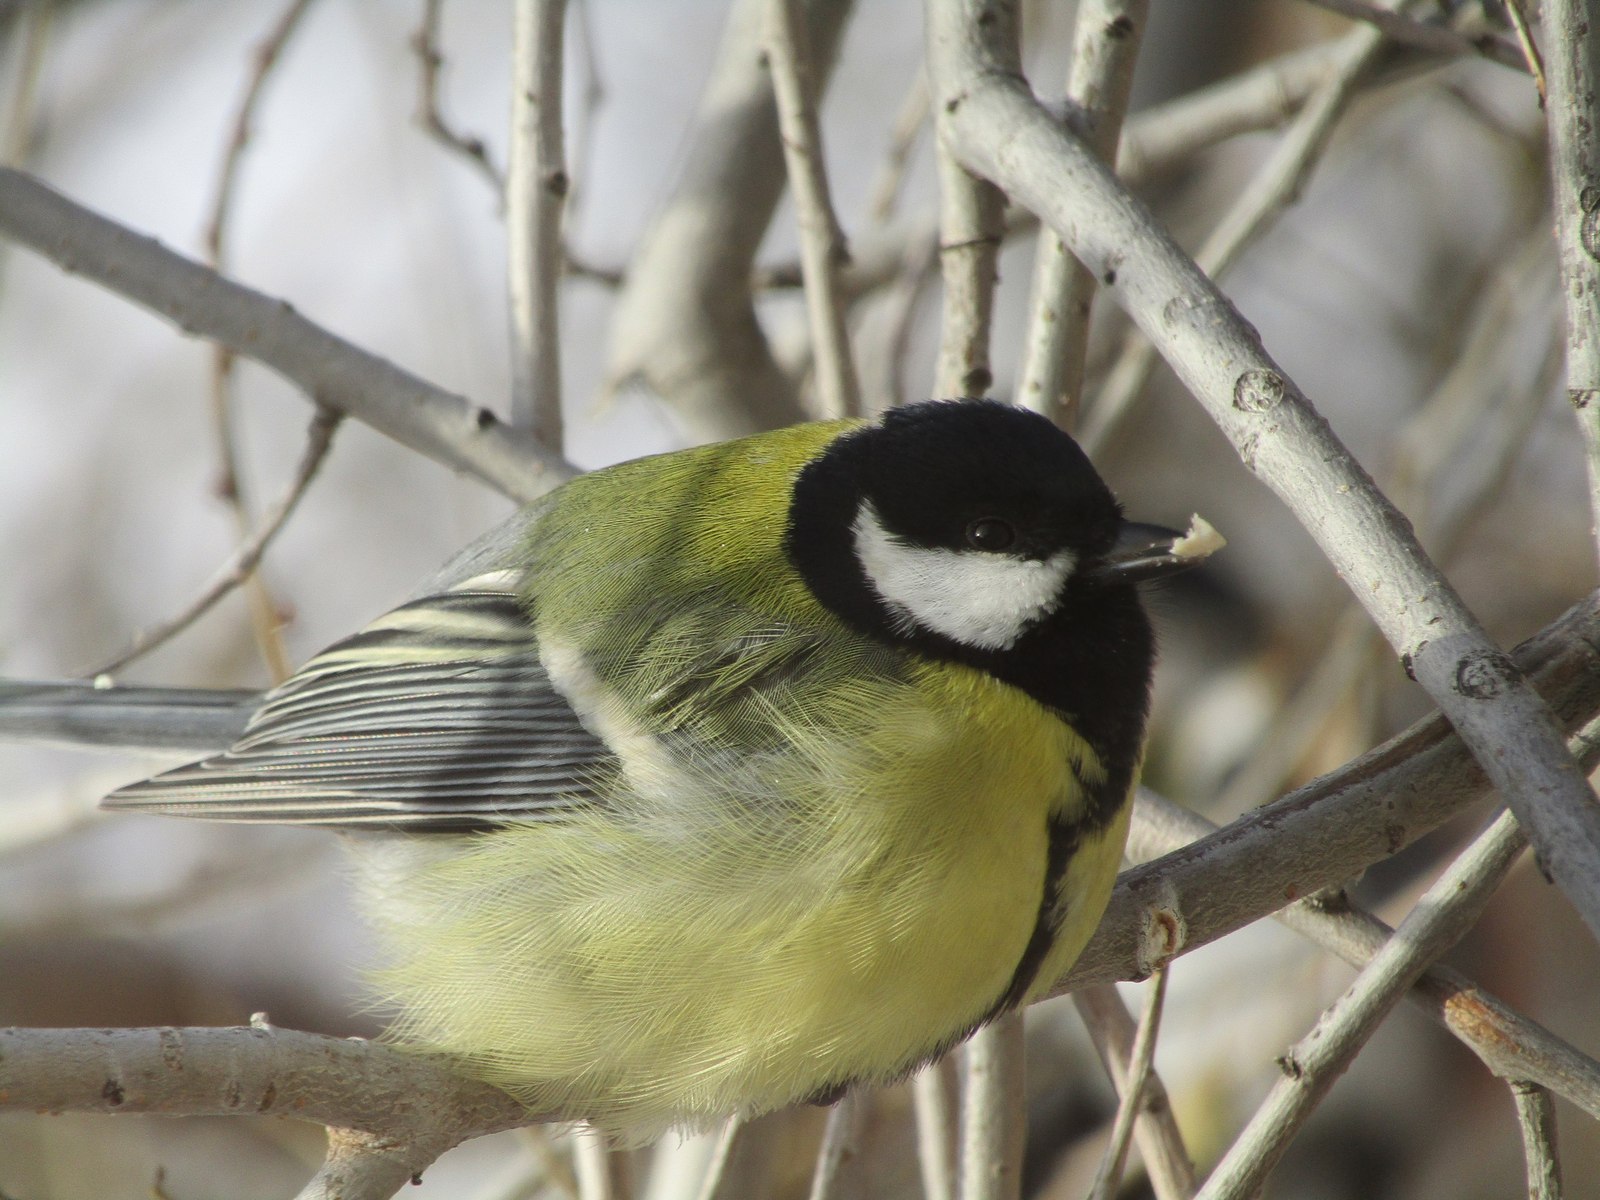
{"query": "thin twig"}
{"type": "Point", "coordinates": [994, 1111]}
{"type": "Point", "coordinates": [711, 1186]}
{"type": "Point", "coordinates": [822, 243]}
{"type": "Point", "coordinates": [1509, 1044]}
{"type": "Point", "coordinates": [1108, 1178]}
{"type": "Point", "coordinates": [1530, 48]}
{"type": "Point", "coordinates": [430, 114]}
{"type": "Point", "coordinates": [1105, 48]}
{"type": "Point", "coordinates": [1113, 1030]}
{"type": "Point", "coordinates": [1426, 35]}
{"type": "Point", "coordinates": [1572, 72]}
{"type": "Point", "coordinates": [1271, 191]}
{"type": "Point", "coordinates": [934, 1100]}
{"type": "Point", "coordinates": [838, 1147]}
{"type": "Point", "coordinates": [16, 134]}
{"type": "Point", "coordinates": [598, 1168]}
{"type": "Point", "coordinates": [1443, 915]}
{"type": "Point", "coordinates": [264, 619]}
{"type": "Point", "coordinates": [536, 187]}
{"type": "Point", "coordinates": [247, 556]}
{"type": "Point", "coordinates": [430, 420]}
{"type": "Point", "coordinates": [1536, 1118]}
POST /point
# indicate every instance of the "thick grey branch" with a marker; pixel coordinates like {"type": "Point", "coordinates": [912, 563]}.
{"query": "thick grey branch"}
{"type": "Point", "coordinates": [329, 370]}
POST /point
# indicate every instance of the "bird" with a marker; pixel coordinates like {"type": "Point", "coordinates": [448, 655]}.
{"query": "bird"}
{"type": "Point", "coordinates": [734, 776]}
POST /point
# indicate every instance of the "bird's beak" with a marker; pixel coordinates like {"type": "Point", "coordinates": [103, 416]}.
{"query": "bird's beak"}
{"type": "Point", "coordinates": [1144, 552]}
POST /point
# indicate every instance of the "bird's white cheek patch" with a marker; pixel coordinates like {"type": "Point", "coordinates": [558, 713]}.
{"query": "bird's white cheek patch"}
{"type": "Point", "coordinates": [979, 599]}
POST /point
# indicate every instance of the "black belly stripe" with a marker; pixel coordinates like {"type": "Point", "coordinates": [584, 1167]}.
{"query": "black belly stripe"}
{"type": "Point", "coordinates": [1064, 839]}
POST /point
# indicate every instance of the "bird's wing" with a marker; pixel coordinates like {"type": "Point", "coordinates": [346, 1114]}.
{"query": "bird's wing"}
{"type": "Point", "coordinates": [438, 716]}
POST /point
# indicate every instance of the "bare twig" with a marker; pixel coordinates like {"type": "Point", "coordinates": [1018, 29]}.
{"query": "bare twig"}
{"type": "Point", "coordinates": [1509, 1044]}
{"type": "Point", "coordinates": [838, 1147]}
{"type": "Point", "coordinates": [1572, 66]}
{"type": "Point", "coordinates": [822, 244]}
{"type": "Point", "coordinates": [1530, 48]}
{"type": "Point", "coordinates": [430, 115]}
{"type": "Point", "coordinates": [994, 1111]}
{"type": "Point", "coordinates": [536, 187]}
{"type": "Point", "coordinates": [1274, 188]}
{"type": "Point", "coordinates": [599, 1169]}
{"type": "Point", "coordinates": [996, 127]}
{"type": "Point", "coordinates": [230, 485]}
{"type": "Point", "coordinates": [1440, 918]}
{"type": "Point", "coordinates": [1536, 1118]}
{"type": "Point", "coordinates": [1105, 48]}
{"type": "Point", "coordinates": [434, 422]}
{"type": "Point", "coordinates": [934, 1099]}
{"type": "Point", "coordinates": [1114, 1031]}
{"type": "Point", "coordinates": [1426, 35]}
{"type": "Point", "coordinates": [1108, 1178]}
{"type": "Point", "coordinates": [246, 558]}
{"type": "Point", "coordinates": [16, 132]}
{"type": "Point", "coordinates": [711, 1186]}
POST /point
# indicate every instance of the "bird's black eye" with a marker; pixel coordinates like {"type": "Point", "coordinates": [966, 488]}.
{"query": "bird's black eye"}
{"type": "Point", "coordinates": [990, 533]}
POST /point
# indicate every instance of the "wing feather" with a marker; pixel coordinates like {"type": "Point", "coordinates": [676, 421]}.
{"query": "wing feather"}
{"type": "Point", "coordinates": [438, 716]}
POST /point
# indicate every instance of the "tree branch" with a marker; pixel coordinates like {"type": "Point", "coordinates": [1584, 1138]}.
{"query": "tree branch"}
{"type": "Point", "coordinates": [329, 370]}
{"type": "Point", "coordinates": [536, 189]}
{"type": "Point", "coordinates": [1572, 73]}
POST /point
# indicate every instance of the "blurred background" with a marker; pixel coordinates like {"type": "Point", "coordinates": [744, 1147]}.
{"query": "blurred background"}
{"type": "Point", "coordinates": [1411, 289]}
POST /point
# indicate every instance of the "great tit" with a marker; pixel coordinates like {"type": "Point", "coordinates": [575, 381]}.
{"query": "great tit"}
{"type": "Point", "coordinates": [733, 776]}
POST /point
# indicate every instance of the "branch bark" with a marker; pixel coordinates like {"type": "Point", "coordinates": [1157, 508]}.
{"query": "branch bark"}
{"type": "Point", "coordinates": [329, 370]}
{"type": "Point", "coordinates": [536, 191]}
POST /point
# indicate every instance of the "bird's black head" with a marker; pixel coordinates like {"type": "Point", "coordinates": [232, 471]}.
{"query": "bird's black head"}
{"type": "Point", "coordinates": [977, 532]}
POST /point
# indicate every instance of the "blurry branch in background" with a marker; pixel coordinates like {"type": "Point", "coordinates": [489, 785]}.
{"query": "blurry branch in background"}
{"type": "Point", "coordinates": [264, 619]}
{"type": "Point", "coordinates": [1438, 920]}
{"type": "Point", "coordinates": [1155, 1129]}
{"type": "Point", "coordinates": [22, 96]}
{"type": "Point", "coordinates": [1536, 1118]}
{"type": "Point", "coordinates": [1572, 72]}
{"type": "Point", "coordinates": [430, 66]}
{"type": "Point", "coordinates": [994, 125]}
{"type": "Point", "coordinates": [907, 126]}
{"type": "Point", "coordinates": [1105, 47]}
{"type": "Point", "coordinates": [536, 188]}
{"type": "Point", "coordinates": [822, 244]}
{"type": "Point", "coordinates": [1530, 49]}
{"type": "Point", "coordinates": [1268, 195]}
{"type": "Point", "coordinates": [329, 370]}
{"type": "Point", "coordinates": [1399, 26]}
{"type": "Point", "coordinates": [934, 1099]}
{"type": "Point", "coordinates": [241, 567]}
{"type": "Point", "coordinates": [685, 323]}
